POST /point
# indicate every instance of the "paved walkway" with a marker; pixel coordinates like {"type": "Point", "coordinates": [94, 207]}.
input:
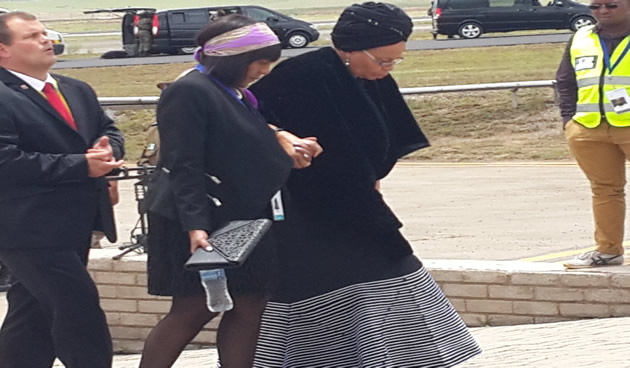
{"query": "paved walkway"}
{"type": "Point", "coordinates": [596, 343]}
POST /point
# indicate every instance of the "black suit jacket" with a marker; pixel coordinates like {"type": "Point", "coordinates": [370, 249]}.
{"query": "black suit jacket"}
{"type": "Point", "coordinates": [213, 145]}
{"type": "Point", "coordinates": [47, 199]}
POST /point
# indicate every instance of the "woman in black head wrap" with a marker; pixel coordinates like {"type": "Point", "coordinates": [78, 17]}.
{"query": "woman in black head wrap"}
{"type": "Point", "coordinates": [370, 38]}
{"type": "Point", "coordinates": [352, 294]}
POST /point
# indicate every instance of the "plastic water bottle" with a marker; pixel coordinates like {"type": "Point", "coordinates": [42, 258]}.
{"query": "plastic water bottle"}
{"type": "Point", "coordinates": [218, 297]}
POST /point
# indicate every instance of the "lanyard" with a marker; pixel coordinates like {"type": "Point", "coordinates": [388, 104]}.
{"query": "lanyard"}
{"type": "Point", "coordinates": [607, 57]}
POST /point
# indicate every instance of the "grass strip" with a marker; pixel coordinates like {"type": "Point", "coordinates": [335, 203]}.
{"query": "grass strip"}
{"type": "Point", "coordinates": [467, 126]}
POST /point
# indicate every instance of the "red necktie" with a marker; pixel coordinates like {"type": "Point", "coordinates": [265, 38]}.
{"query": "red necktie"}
{"type": "Point", "coordinates": [57, 103]}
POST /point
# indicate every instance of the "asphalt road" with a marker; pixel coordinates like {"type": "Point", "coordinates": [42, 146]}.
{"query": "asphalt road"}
{"type": "Point", "coordinates": [504, 211]}
{"type": "Point", "coordinates": [411, 45]}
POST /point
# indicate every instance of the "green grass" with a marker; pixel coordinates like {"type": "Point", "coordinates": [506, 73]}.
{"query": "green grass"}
{"type": "Point", "coordinates": [479, 65]}
{"type": "Point", "coordinates": [135, 80]}
{"type": "Point", "coordinates": [88, 39]}
{"type": "Point", "coordinates": [70, 17]}
{"type": "Point", "coordinates": [484, 126]}
{"type": "Point", "coordinates": [134, 124]}
{"type": "Point", "coordinates": [85, 25]}
{"type": "Point", "coordinates": [74, 8]}
{"type": "Point", "coordinates": [420, 68]}
{"type": "Point", "coordinates": [314, 14]}
{"type": "Point", "coordinates": [479, 126]}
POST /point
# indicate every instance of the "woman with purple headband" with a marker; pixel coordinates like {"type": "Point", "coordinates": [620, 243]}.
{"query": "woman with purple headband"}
{"type": "Point", "coordinates": [215, 144]}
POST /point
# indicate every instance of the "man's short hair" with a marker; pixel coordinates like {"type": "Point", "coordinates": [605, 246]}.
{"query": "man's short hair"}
{"type": "Point", "coordinates": [5, 33]}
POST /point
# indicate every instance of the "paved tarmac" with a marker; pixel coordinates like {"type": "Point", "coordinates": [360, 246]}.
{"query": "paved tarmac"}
{"type": "Point", "coordinates": [493, 211]}
{"type": "Point", "coordinates": [501, 211]}
{"type": "Point", "coordinates": [597, 343]}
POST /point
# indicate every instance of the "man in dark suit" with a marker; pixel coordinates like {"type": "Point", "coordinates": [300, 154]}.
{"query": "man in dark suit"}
{"type": "Point", "coordinates": [56, 144]}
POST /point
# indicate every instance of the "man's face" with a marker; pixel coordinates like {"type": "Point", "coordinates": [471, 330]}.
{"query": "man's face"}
{"type": "Point", "coordinates": [611, 12]}
{"type": "Point", "coordinates": [29, 50]}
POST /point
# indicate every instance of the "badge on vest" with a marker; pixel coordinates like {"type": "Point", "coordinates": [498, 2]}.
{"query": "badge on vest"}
{"type": "Point", "coordinates": [585, 62]}
{"type": "Point", "coordinates": [619, 100]}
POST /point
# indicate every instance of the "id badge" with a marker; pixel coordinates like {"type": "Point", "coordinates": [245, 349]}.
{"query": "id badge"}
{"type": "Point", "coordinates": [619, 100]}
{"type": "Point", "coordinates": [276, 207]}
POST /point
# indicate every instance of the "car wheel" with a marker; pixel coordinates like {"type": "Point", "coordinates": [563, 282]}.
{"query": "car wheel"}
{"type": "Point", "coordinates": [297, 40]}
{"type": "Point", "coordinates": [186, 50]}
{"type": "Point", "coordinates": [470, 30]}
{"type": "Point", "coordinates": [581, 21]}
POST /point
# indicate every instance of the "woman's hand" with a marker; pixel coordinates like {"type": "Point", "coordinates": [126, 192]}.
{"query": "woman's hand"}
{"type": "Point", "coordinates": [305, 149]}
{"type": "Point", "coordinates": [301, 150]}
{"type": "Point", "coordinates": [198, 239]}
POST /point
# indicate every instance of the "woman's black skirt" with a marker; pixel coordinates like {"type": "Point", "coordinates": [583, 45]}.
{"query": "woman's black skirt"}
{"type": "Point", "coordinates": [169, 249]}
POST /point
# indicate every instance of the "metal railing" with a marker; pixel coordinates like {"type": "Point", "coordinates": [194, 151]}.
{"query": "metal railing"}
{"type": "Point", "coordinates": [144, 101]}
{"type": "Point", "coordinates": [128, 101]}
{"type": "Point", "coordinates": [478, 87]}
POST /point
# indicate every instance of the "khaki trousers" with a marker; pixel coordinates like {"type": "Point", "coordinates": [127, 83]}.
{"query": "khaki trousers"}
{"type": "Point", "coordinates": [601, 153]}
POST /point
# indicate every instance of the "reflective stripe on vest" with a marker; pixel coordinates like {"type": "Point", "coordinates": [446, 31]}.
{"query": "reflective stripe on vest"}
{"type": "Point", "coordinates": [587, 58]}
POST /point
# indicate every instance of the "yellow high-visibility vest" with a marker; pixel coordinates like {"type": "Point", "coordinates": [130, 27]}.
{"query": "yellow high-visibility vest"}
{"type": "Point", "coordinates": [593, 77]}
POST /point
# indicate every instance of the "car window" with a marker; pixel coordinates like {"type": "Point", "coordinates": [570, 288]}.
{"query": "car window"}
{"type": "Point", "coordinates": [198, 16]}
{"type": "Point", "coordinates": [466, 4]}
{"type": "Point", "coordinates": [260, 14]}
{"type": "Point", "coordinates": [176, 17]}
{"type": "Point", "coordinates": [214, 13]}
{"type": "Point", "coordinates": [194, 17]}
{"type": "Point", "coordinates": [524, 3]}
{"type": "Point", "coordinates": [502, 3]}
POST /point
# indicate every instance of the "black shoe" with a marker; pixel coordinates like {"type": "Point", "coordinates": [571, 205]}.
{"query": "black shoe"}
{"type": "Point", "coordinates": [5, 278]}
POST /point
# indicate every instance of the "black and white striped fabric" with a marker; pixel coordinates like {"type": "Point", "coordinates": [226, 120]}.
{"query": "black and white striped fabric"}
{"type": "Point", "coordinates": [395, 323]}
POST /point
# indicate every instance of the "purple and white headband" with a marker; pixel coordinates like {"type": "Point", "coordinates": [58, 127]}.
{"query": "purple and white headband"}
{"type": "Point", "coordinates": [238, 41]}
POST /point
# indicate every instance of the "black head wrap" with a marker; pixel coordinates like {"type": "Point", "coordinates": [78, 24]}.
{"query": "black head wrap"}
{"type": "Point", "coordinates": [369, 25]}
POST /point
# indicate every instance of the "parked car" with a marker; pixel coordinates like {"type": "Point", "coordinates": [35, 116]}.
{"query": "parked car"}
{"type": "Point", "coordinates": [472, 18]}
{"type": "Point", "coordinates": [58, 42]}
{"type": "Point", "coordinates": [174, 30]}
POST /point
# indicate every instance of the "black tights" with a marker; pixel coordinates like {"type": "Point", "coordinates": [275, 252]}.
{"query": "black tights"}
{"type": "Point", "coordinates": [236, 337]}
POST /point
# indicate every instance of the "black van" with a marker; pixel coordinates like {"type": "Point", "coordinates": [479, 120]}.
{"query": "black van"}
{"type": "Point", "coordinates": [174, 30]}
{"type": "Point", "coordinates": [472, 18]}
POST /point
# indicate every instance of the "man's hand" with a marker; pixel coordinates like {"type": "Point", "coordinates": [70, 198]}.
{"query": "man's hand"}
{"type": "Point", "coordinates": [102, 144]}
{"type": "Point", "coordinates": [100, 163]}
{"type": "Point", "coordinates": [198, 239]}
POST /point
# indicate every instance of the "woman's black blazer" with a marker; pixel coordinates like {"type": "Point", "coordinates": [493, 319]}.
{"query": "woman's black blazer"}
{"type": "Point", "coordinates": [219, 160]}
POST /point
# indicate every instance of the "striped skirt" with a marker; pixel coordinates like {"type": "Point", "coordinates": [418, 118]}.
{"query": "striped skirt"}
{"type": "Point", "coordinates": [399, 322]}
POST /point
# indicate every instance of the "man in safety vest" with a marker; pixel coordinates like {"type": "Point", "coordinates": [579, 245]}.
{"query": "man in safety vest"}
{"type": "Point", "coordinates": [593, 85]}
